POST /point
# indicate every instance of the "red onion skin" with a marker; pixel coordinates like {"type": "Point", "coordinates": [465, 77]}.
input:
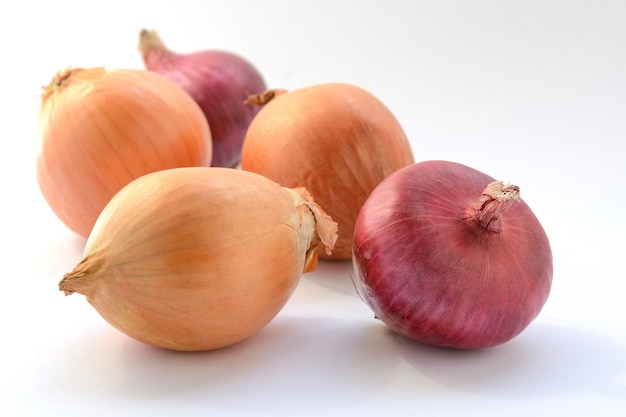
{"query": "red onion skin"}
{"type": "Point", "coordinates": [430, 272]}
{"type": "Point", "coordinates": [220, 82]}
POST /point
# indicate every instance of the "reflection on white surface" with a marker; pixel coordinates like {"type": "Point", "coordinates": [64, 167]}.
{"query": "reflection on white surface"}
{"type": "Point", "coordinates": [545, 360]}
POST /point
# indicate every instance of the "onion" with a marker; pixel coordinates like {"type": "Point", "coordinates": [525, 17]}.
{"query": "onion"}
{"type": "Point", "coordinates": [336, 140]}
{"type": "Point", "coordinates": [100, 129]}
{"type": "Point", "coordinates": [445, 255]}
{"type": "Point", "coordinates": [199, 258]}
{"type": "Point", "coordinates": [219, 81]}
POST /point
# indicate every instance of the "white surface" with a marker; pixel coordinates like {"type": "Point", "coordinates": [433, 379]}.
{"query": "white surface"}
{"type": "Point", "coordinates": [532, 92]}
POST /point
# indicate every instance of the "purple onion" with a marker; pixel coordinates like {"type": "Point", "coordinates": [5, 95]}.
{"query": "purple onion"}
{"type": "Point", "coordinates": [219, 81]}
{"type": "Point", "coordinates": [449, 257]}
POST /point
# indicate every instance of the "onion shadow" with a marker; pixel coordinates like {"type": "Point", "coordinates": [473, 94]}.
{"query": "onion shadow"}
{"type": "Point", "coordinates": [337, 276]}
{"type": "Point", "coordinates": [293, 366]}
{"type": "Point", "coordinates": [542, 361]}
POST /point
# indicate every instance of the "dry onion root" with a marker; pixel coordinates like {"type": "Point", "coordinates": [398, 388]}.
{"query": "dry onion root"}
{"type": "Point", "coordinates": [199, 258]}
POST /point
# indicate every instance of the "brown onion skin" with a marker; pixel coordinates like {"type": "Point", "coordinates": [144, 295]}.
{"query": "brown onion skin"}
{"type": "Point", "coordinates": [431, 275]}
{"type": "Point", "coordinates": [336, 140]}
{"type": "Point", "coordinates": [99, 129]}
{"type": "Point", "coordinates": [196, 258]}
{"type": "Point", "coordinates": [219, 81]}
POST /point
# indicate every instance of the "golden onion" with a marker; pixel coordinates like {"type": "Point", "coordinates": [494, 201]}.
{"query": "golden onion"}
{"type": "Point", "coordinates": [199, 258]}
{"type": "Point", "coordinates": [99, 129]}
{"type": "Point", "coordinates": [336, 140]}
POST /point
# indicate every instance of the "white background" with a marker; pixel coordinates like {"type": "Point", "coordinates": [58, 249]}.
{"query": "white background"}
{"type": "Point", "coordinates": [531, 91]}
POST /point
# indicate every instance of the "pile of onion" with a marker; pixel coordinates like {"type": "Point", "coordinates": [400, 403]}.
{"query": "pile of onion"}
{"type": "Point", "coordinates": [448, 256]}
{"type": "Point", "coordinates": [219, 81]}
{"type": "Point", "coordinates": [336, 140]}
{"type": "Point", "coordinates": [99, 129]}
{"type": "Point", "coordinates": [199, 258]}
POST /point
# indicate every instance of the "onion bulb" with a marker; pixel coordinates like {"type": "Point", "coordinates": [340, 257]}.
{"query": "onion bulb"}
{"type": "Point", "coordinates": [446, 255]}
{"type": "Point", "coordinates": [336, 140]}
{"type": "Point", "coordinates": [99, 129]}
{"type": "Point", "coordinates": [219, 81]}
{"type": "Point", "coordinates": [198, 258]}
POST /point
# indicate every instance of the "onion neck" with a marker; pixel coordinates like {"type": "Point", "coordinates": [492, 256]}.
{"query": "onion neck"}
{"type": "Point", "coordinates": [78, 279]}
{"type": "Point", "coordinates": [152, 49]}
{"type": "Point", "coordinates": [71, 76]}
{"type": "Point", "coordinates": [264, 97]}
{"type": "Point", "coordinates": [493, 201]}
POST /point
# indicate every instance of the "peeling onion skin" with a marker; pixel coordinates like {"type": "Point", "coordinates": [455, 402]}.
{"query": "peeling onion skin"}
{"type": "Point", "coordinates": [194, 259]}
{"type": "Point", "coordinates": [99, 129]}
{"type": "Point", "coordinates": [432, 272]}
{"type": "Point", "coordinates": [219, 81]}
{"type": "Point", "coordinates": [336, 140]}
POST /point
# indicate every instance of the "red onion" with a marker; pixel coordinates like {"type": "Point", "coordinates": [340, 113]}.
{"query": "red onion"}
{"type": "Point", "coordinates": [219, 82]}
{"type": "Point", "coordinates": [449, 257]}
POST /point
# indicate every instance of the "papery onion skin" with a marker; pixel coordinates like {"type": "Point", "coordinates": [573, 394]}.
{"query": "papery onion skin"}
{"type": "Point", "coordinates": [195, 259]}
{"type": "Point", "coordinates": [99, 129]}
{"type": "Point", "coordinates": [430, 271]}
{"type": "Point", "coordinates": [337, 140]}
{"type": "Point", "coordinates": [219, 81]}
